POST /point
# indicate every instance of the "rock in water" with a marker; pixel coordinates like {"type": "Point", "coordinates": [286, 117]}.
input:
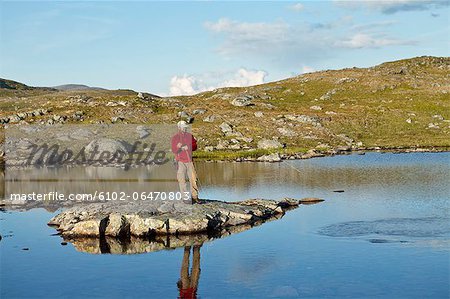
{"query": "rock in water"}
{"type": "Point", "coordinates": [310, 200]}
{"type": "Point", "coordinates": [275, 157]}
{"type": "Point", "coordinates": [142, 220]}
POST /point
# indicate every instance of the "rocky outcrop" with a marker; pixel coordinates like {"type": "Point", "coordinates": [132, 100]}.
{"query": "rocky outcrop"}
{"type": "Point", "coordinates": [164, 219]}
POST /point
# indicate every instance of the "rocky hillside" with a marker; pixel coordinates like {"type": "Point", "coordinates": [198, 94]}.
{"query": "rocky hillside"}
{"type": "Point", "coordinates": [400, 104]}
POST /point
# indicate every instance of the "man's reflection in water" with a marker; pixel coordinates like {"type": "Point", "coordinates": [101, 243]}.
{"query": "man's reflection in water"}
{"type": "Point", "coordinates": [187, 285]}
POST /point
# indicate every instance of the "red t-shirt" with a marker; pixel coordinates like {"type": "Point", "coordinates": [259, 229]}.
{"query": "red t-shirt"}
{"type": "Point", "coordinates": [184, 138]}
{"type": "Point", "coordinates": [189, 293]}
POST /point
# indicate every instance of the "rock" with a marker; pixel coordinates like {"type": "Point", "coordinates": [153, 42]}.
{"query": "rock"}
{"type": "Point", "coordinates": [223, 144]}
{"type": "Point", "coordinates": [107, 145]}
{"type": "Point", "coordinates": [81, 134]}
{"type": "Point", "coordinates": [198, 111]}
{"type": "Point", "coordinates": [183, 114]}
{"type": "Point", "coordinates": [312, 153]}
{"type": "Point", "coordinates": [343, 148]}
{"type": "Point", "coordinates": [269, 144]}
{"type": "Point", "coordinates": [116, 119]}
{"type": "Point", "coordinates": [242, 101]}
{"type": "Point", "coordinates": [14, 119]}
{"type": "Point", "coordinates": [21, 115]}
{"type": "Point", "coordinates": [246, 139]}
{"type": "Point", "coordinates": [408, 120]}
{"type": "Point", "coordinates": [310, 200]}
{"type": "Point", "coordinates": [328, 95]}
{"type": "Point", "coordinates": [433, 126]}
{"type": "Point", "coordinates": [143, 220]}
{"type": "Point", "coordinates": [315, 108]}
{"type": "Point", "coordinates": [78, 115]}
{"type": "Point", "coordinates": [209, 148]}
{"type": "Point", "coordinates": [402, 71]}
{"type": "Point", "coordinates": [330, 113]}
{"type": "Point", "coordinates": [235, 147]}
{"type": "Point", "coordinates": [438, 117]}
{"type": "Point", "coordinates": [258, 114]}
{"type": "Point", "coordinates": [226, 128]}
{"type": "Point", "coordinates": [210, 118]}
{"type": "Point", "coordinates": [286, 132]}
{"type": "Point", "coordinates": [142, 131]}
{"type": "Point", "coordinates": [346, 80]}
{"type": "Point", "coordinates": [275, 157]}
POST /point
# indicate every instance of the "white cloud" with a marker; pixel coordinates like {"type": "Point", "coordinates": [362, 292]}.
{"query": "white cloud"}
{"type": "Point", "coordinates": [307, 69]}
{"type": "Point", "coordinates": [394, 6]}
{"type": "Point", "coordinates": [362, 40]}
{"type": "Point", "coordinates": [294, 45]}
{"type": "Point", "coordinates": [248, 35]}
{"type": "Point", "coordinates": [192, 84]}
{"type": "Point", "coordinates": [277, 42]}
{"type": "Point", "coordinates": [296, 7]}
{"type": "Point", "coordinates": [184, 85]}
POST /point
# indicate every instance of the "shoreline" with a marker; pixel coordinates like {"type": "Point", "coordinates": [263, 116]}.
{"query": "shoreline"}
{"type": "Point", "coordinates": [311, 153]}
{"type": "Point", "coordinates": [314, 153]}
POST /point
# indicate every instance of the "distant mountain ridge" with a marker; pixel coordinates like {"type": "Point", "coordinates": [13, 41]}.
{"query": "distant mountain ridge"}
{"type": "Point", "coordinates": [77, 87]}
{"type": "Point", "coordinates": [14, 85]}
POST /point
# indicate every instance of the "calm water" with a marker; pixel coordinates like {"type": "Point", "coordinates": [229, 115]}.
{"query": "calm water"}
{"type": "Point", "coordinates": [387, 235]}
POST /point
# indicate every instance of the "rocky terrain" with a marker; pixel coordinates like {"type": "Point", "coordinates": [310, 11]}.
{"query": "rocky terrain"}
{"type": "Point", "coordinates": [401, 105]}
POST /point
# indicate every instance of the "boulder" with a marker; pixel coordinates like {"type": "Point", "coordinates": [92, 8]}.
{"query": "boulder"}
{"type": "Point", "coordinates": [269, 144]}
{"type": "Point", "coordinates": [107, 145]}
{"type": "Point", "coordinates": [210, 118]}
{"type": "Point", "coordinates": [315, 108]}
{"type": "Point", "coordinates": [286, 132]}
{"type": "Point", "coordinates": [226, 128]}
{"type": "Point", "coordinates": [275, 157]}
{"type": "Point", "coordinates": [242, 101]}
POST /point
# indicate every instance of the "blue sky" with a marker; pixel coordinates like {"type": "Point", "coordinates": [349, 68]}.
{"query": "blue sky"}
{"type": "Point", "coordinates": [186, 47]}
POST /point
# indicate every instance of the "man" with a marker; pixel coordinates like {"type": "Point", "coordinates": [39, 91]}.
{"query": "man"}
{"type": "Point", "coordinates": [188, 284]}
{"type": "Point", "coordinates": [183, 144]}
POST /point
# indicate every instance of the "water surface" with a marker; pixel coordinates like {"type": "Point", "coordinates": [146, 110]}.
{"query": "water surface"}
{"type": "Point", "coordinates": [386, 236]}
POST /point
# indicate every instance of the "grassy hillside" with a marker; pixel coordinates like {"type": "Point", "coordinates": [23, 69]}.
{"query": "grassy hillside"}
{"type": "Point", "coordinates": [400, 104]}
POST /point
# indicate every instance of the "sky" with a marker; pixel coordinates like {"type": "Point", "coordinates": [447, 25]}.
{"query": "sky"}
{"type": "Point", "coordinates": [180, 48]}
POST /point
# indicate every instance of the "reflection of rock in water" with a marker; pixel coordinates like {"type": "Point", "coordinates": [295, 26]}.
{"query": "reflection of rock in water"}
{"type": "Point", "coordinates": [135, 245]}
{"type": "Point", "coordinates": [2, 178]}
{"type": "Point", "coordinates": [406, 227]}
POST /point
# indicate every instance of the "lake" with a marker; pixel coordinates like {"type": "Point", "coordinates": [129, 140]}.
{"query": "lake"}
{"type": "Point", "coordinates": [385, 234]}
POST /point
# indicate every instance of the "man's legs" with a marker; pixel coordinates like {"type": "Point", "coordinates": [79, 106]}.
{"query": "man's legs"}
{"type": "Point", "coordinates": [181, 177]}
{"type": "Point", "coordinates": [184, 273]}
{"type": "Point", "coordinates": [195, 273]}
{"type": "Point", "coordinates": [192, 180]}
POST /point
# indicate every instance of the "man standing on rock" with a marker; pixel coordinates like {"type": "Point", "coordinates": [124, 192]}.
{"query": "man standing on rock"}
{"type": "Point", "coordinates": [183, 144]}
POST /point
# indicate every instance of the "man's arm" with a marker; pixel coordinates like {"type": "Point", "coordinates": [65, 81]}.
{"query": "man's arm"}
{"type": "Point", "coordinates": [174, 145]}
{"type": "Point", "coordinates": [194, 144]}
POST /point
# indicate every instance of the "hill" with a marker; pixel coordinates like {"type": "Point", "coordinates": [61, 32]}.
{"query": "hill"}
{"type": "Point", "coordinates": [76, 87]}
{"type": "Point", "coordinates": [398, 105]}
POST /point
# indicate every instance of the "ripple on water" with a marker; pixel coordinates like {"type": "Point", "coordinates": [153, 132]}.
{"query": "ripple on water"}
{"type": "Point", "coordinates": [427, 227]}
